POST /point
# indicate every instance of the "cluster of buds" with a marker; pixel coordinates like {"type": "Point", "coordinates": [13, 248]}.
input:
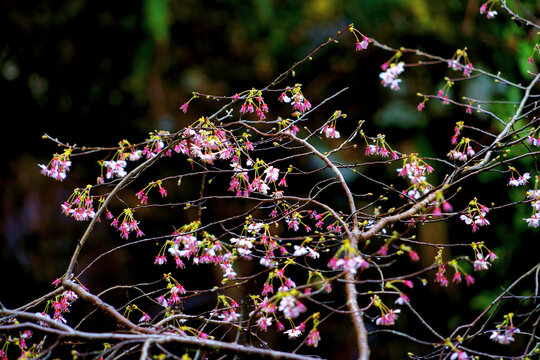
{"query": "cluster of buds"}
{"type": "Point", "coordinates": [457, 131]}
{"type": "Point", "coordinates": [443, 93]}
{"type": "Point", "coordinates": [58, 166]}
{"type": "Point", "coordinates": [287, 126]}
{"type": "Point", "coordinates": [441, 203]}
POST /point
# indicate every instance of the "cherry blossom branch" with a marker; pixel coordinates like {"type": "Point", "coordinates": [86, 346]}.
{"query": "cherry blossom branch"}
{"type": "Point", "coordinates": [126, 180]}
{"type": "Point", "coordinates": [508, 126]}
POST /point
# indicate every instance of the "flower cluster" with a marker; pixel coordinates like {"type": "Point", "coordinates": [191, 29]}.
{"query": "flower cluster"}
{"type": "Point", "coordinates": [388, 316]}
{"type": "Point", "coordinates": [360, 44]}
{"type": "Point", "coordinates": [291, 307]}
{"type": "Point", "coordinates": [402, 298]}
{"type": "Point", "coordinates": [229, 311]}
{"type": "Point", "coordinates": [462, 151]}
{"type": "Point", "coordinates": [58, 166]}
{"type": "Point", "coordinates": [389, 78]}
{"type": "Point", "coordinates": [208, 250]}
{"type": "Point", "coordinates": [241, 184]}
{"type": "Point", "coordinates": [172, 297]}
{"type": "Point", "coordinates": [379, 147]}
{"type": "Point", "coordinates": [504, 337]}
{"type": "Point", "coordinates": [519, 179]}
{"type": "Point", "coordinates": [459, 355]}
{"type": "Point", "coordinates": [415, 170]}
{"type": "Point", "coordinates": [534, 137]}
{"type": "Point", "coordinates": [154, 145]}
{"type": "Point", "coordinates": [454, 62]}
{"type": "Point", "coordinates": [60, 305]}
{"type": "Point", "coordinates": [347, 260]}
{"type": "Point", "coordinates": [204, 144]}
{"type": "Point", "coordinates": [476, 215]}
{"type": "Point", "coordinates": [294, 95]}
{"type": "Point", "coordinates": [534, 197]}
{"type": "Point", "coordinates": [115, 168]}
{"type": "Point", "coordinates": [254, 103]}
{"type": "Point", "coordinates": [504, 334]}
{"type": "Point", "coordinates": [79, 205]}
{"type": "Point", "coordinates": [126, 223]}
{"type": "Point", "coordinates": [482, 262]}
{"type": "Point", "coordinates": [490, 13]}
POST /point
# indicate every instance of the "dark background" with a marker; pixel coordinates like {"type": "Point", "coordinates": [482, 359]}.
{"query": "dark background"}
{"type": "Point", "coordinates": [96, 72]}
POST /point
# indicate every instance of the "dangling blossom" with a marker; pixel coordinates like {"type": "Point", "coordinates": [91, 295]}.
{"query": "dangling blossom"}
{"type": "Point", "coordinates": [402, 299]}
{"type": "Point", "coordinates": [389, 318]}
{"type": "Point", "coordinates": [521, 180]}
{"type": "Point", "coordinates": [293, 333]}
{"type": "Point", "coordinates": [533, 140]}
{"type": "Point", "coordinates": [348, 264]}
{"type": "Point", "coordinates": [481, 263]}
{"type": "Point", "coordinates": [330, 132]}
{"type": "Point", "coordinates": [504, 338]}
{"type": "Point", "coordinates": [362, 45]}
{"type": "Point", "coordinates": [272, 174]}
{"type": "Point", "coordinates": [459, 355]}
{"type": "Point", "coordinates": [533, 221]}
{"type": "Point", "coordinates": [264, 322]}
{"type": "Point", "coordinates": [313, 338]}
{"type": "Point", "coordinates": [291, 307]}
{"type": "Point", "coordinates": [58, 167]}
{"type": "Point", "coordinates": [389, 78]}
{"type": "Point", "coordinates": [115, 168]}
